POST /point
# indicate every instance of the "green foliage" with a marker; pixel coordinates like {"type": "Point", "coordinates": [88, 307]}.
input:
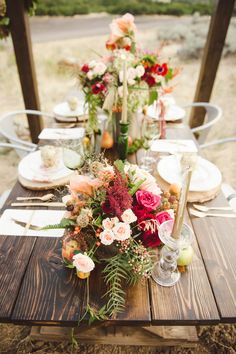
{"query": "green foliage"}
{"type": "Point", "coordinates": [136, 7]}
{"type": "Point", "coordinates": [64, 224]}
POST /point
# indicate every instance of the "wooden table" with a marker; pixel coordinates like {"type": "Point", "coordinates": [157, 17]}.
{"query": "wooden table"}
{"type": "Point", "coordinates": [36, 288]}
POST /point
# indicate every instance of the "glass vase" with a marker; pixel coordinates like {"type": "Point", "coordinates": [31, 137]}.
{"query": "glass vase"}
{"type": "Point", "coordinates": [123, 141]}
{"type": "Point", "coordinates": [165, 271]}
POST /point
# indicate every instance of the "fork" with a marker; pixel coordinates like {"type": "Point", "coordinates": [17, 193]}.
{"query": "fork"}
{"type": "Point", "coordinates": [201, 214]}
{"type": "Point", "coordinates": [205, 208]}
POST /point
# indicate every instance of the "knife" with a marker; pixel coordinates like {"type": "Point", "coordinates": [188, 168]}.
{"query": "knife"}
{"type": "Point", "coordinates": [53, 204]}
{"type": "Point", "coordinates": [24, 224]}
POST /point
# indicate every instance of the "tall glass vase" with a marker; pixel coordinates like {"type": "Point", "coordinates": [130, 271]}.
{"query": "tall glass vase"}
{"type": "Point", "coordinates": [165, 272]}
{"type": "Point", "coordinates": [123, 141]}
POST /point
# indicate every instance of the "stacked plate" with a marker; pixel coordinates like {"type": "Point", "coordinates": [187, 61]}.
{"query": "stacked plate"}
{"type": "Point", "coordinates": [64, 113]}
{"type": "Point", "coordinates": [33, 175]}
{"type": "Point", "coordinates": [206, 176]}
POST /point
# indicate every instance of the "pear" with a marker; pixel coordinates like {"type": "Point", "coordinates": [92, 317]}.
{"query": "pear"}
{"type": "Point", "coordinates": [107, 141]}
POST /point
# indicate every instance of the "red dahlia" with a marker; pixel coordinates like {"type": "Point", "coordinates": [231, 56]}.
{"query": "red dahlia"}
{"type": "Point", "coordinates": [97, 88]}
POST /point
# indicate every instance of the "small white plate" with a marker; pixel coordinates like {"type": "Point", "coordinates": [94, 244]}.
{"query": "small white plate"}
{"type": "Point", "coordinates": [31, 168]}
{"type": "Point", "coordinates": [172, 113]}
{"type": "Point", "coordinates": [206, 176]}
{"type": "Point", "coordinates": [62, 134]}
{"type": "Point", "coordinates": [63, 110]}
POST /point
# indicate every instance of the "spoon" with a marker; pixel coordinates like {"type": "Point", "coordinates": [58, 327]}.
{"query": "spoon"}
{"type": "Point", "coordinates": [44, 198]}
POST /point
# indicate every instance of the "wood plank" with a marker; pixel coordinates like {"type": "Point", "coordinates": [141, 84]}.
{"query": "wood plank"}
{"type": "Point", "coordinates": [216, 238]}
{"type": "Point", "coordinates": [14, 257]}
{"type": "Point", "coordinates": [211, 57]}
{"type": "Point", "coordinates": [20, 33]}
{"type": "Point", "coordinates": [50, 292]}
{"type": "Point", "coordinates": [119, 335]}
{"type": "Point", "coordinates": [190, 301]}
{"type": "Point", "coordinates": [137, 307]}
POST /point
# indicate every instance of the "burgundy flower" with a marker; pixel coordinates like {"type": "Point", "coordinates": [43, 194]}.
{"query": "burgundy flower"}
{"type": "Point", "coordinates": [150, 239]}
{"type": "Point", "coordinates": [97, 88]}
{"type": "Point", "coordinates": [140, 212]}
{"type": "Point", "coordinates": [160, 69]}
{"type": "Point", "coordinates": [150, 80]}
{"type": "Point", "coordinates": [147, 199]}
{"type": "Point", "coordinates": [118, 198]}
{"type": "Point", "coordinates": [85, 68]}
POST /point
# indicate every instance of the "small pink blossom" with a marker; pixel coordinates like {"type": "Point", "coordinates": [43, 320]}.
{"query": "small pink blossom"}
{"type": "Point", "coordinates": [121, 231]}
{"type": "Point", "coordinates": [107, 237]}
{"type": "Point", "coordinates": [83, 263]}
{"type": "Point", "coordinates": [107, 224]}
{"type": "Point", "coordinates": [128, 216]}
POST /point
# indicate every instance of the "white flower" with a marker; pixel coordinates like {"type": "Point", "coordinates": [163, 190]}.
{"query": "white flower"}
{"type": "Point", "coordinates": [83, 263]}
{"type": "Point", "coordinates": [171, 213]}
{"type": "Point", "coordinates": [140, 70]}
{"type": "Point", "coordinates": [131, 75]}
{"type": "Point", "coordinates": [92, 64]}
{"type": "Point", "coordinates": [90, 74]}
{"type": "Point", "coordinates": [67, 198]}
{"type": "Point", "coordinates": [128, 216]}
{"type": "Point", "coordinates": [107, 237]}
{"type": "Point", "coordinates": [99, 69]}
{"type": "Point", "coordinates": [115, 220]}
{"type": "Point", "coordinates": [107, 224]}
{"type": "Point", "coordinates": [120, 91]}
{"type": "Point", "coordinates": [149, 183]}
{"type": "Point", "coordinates": [121, 231]}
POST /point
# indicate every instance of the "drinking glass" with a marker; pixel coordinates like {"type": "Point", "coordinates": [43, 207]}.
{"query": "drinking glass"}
{"type": "Point", "coordinates": [73, 154]}
{"type": "Point", "coordinates": [150, 132]}
{"type": "Point", "coordinates": [165, 272]}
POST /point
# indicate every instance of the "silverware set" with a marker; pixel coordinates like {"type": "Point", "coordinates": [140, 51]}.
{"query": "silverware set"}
{"type": "Point", "coordinates": [45, 201]}
{"type": "Point", "coordinates": [202, 211]}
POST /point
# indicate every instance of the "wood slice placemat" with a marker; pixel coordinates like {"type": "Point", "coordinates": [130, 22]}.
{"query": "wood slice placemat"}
{"type": "Point", "coordinates": [37, 186]}
{"type": "Point", "coordinates": [199, 197]}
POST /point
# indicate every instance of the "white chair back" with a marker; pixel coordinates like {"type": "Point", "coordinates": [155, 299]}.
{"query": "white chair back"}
{"type": "Point", "coordinates": [8, 130]}
{"type": "Point", "coordinates": [213, 114]}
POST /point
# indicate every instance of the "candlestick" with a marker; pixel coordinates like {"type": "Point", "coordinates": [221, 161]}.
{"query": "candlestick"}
{"type": "Point", "coordinates": [179, 218]}
{"type": "Point", "coordinates": [125, 91]}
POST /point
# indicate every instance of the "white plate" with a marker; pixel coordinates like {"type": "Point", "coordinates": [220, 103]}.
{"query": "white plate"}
{"type": "Point", "coordinates": [31, 168]}
{"type": "Point", "coordinates": [62, 134]}
{"type": "Point", "coordinates": [63, 110]}
{"type": "Point", "coordinates": [173, 113]}
{"type": "Point", "coordinates": [206, 176]}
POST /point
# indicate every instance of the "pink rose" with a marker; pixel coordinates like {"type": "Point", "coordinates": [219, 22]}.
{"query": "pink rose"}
{"type": "Point", "coordinates": [147, 199]}
{"type": "Point", "coordinates": [83, 184]}
{"type": "Point", "coordinates": [163, 216]}
{"type": "Point", "coordinates": [83, 263]}
{"type": "Point", "coordinates": [121, 231]}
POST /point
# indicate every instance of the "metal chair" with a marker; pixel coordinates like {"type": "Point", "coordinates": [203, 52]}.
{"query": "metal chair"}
{"type": "Point", "coordinates": [7, 129]}
{"type": "Point", "coordinates": [220, 141]}
{"type": "Point", "coordinates": [213, 114]}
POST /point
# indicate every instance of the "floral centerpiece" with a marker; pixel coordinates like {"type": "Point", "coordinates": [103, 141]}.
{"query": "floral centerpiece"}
{"type": "Point", "coordinates": [102, 79]}
{"type": "Point", "coordinates": [113, 216]}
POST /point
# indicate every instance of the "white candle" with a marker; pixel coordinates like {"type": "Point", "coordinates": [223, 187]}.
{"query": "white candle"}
{"type": "Point", "coordinates": [125, 91]}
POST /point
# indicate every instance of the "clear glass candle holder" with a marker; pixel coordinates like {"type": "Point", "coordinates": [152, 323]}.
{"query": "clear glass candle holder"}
{"type": "Point", "coordinates": [165, 271]}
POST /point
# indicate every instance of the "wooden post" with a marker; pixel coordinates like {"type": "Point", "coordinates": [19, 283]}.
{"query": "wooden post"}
{"type": "Point", "coordinates": [211, 57]}
{"type": "Point", "coordinates": [20, 32]}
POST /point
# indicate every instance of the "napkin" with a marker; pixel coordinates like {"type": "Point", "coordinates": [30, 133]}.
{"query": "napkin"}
{"type": "Point", "coordinates": [174, 146]}
{"type": "Point", "coordinates": [35, 217]}
{"type": "Point", "coordinates": [61, 134]}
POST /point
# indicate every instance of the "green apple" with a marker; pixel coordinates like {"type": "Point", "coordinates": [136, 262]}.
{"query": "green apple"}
{"type": "Point", "coordinates": [185, 256]}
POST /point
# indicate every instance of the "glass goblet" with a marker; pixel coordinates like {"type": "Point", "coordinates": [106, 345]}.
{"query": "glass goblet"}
{"type": "Point", "coordinates": [73, 154]}
{"type": "Point", "coordinates": [150, 132]}
{"type": "Point", "coordinates": [165, 271]}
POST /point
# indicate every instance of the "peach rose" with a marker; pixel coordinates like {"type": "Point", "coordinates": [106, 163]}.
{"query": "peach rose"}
{"type": "Point", "coordinates": [123, 25]}
{"type": "Point", "coordinates": [107, 237]}
{"type": "Point", "coordinates": [121, 231]}
{"type": "Point", "coordinates": [83, 263]}
{"type": "Point", "coordinates": [83, 184]}
{"type": "Point", "coordinates": [128, 216]}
